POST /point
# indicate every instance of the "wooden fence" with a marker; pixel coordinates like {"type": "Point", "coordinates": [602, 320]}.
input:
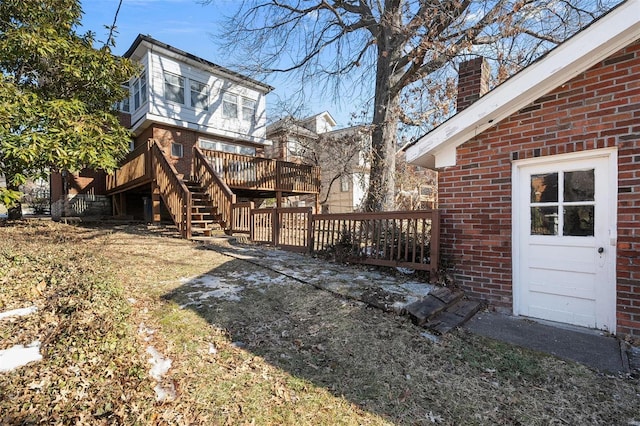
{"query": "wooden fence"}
{"type": "Point", "coordinates": [404, 238]}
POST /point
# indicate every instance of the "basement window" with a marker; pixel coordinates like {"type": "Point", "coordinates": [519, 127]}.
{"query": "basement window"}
{"type": "Point", "coordinates": [176, 150]}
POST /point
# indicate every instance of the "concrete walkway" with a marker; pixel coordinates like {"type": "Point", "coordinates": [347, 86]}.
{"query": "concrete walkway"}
{"type": "Point", "coordinates": [394, 291]}
{"type": "Point", "coordinates": [589, 347]}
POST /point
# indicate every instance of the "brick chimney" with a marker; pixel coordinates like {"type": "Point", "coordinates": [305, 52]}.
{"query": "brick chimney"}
{"type": "Point", "coordinates": [473, 82]}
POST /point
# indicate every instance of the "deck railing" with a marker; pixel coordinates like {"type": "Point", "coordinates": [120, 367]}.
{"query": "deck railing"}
{"type": "Point", "coordinates": [174, 193]}
{"type": "Point", "coordinates": [218, 191]}
{"type": "Point", "coordinates": [404, 238]}
{"type": "Point", "coordinates": [241, 214]}
{"type": "Point", "coordinates": [246, 172]}
{"type": "Point", "coordinates": [398, 239]}
{"type": "Point", "coordinates": [135, 170]}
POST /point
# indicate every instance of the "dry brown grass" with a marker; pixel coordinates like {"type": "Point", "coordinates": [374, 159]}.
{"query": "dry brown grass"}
{"type": "Point", "coordinates": [285, 353]}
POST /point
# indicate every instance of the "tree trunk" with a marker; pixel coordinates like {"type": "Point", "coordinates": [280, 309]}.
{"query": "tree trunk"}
{"type": "Point", "coordinates": [14, 211]}
{"type": "Point", "coordinates": [381, 193]}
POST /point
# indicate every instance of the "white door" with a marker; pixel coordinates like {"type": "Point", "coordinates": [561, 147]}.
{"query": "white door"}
{"type": "Point", "coordinates": [564, 238]}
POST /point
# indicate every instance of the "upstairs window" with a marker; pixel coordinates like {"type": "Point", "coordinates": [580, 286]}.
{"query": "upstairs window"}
{"type": "Point", "coordinates": [199, 95]}
{"type": "Point", "coordinates": [229, 105]}
{"type": "Point", "coordinates": [174, 88]}
{"type": "Point", "coordinates": [248, 110]}
{"type": "Point", "coordinates": [139, 91]}
{"type": "Point", "coordinates": [124, 104]}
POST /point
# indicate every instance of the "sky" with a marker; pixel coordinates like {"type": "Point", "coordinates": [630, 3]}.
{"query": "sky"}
{"type": "Point", "coordinates": [188, 25]}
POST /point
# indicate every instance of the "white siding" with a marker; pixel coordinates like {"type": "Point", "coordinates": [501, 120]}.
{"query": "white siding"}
{"type": "Point", "coordinates": [208, 121]}
{"type": "Point", "coordinates": [138, 114]}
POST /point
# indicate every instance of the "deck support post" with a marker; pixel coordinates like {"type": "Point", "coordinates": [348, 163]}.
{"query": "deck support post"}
{"type": "Point", "coordinates": [120, 204]}
{"type": "Point", "coordinates": [279, 199]}
{"type": "Point", "coordinates": [155, 200]}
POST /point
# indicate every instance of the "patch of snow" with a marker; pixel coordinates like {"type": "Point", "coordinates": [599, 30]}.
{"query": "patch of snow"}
{"type": "Point", "coordinates": [142, 329]}
{"type": "Point", "coordinates": [212, 349]}
{"type": "Point", "coordinates": [165, 392]}
{"type": "Point", "coordinates": [432, 337]}
{"type": "Point", "coordinates": [18, 312]}
{"type": "Point", "coordinates": [159, 364]}
{"type": "Point", "coordinates": [417, 288]}
{"type": "Point", "coordinates": [19, 355]}
{"type": "Point", "coordinates": [405, 271]}
{"type": "Point", "coordinates": [132, 300]}
{"type": "Point", "coordinates": [434, 418]}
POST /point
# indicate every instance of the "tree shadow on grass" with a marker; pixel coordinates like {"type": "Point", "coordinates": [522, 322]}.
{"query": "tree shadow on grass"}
{"type": "Point", "coordinates": [375, 360]}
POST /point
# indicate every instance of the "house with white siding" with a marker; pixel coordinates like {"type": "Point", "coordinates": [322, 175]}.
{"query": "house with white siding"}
{"type": "Point", "coordinates": [186, 107]}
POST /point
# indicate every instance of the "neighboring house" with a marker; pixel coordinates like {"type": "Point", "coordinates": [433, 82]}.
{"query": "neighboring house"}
{"type": "Point", "coordinates": [184, 105]}
{"type": "Point", "coordinates": [539, 181]}
{"type": "Point", "coordinates": [341, 154]}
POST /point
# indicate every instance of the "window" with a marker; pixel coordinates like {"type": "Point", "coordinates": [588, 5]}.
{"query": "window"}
{"type": "Point", "coordinates": [248, 110]}
{"type": "Point", "coordinates": [295, 148]}
{"type": "Point", "coordinates": [229, 106]}
{"type": "Point", "coordinates": [563, 202]}
{"type": "Point", "coordinates": [124, 105]}
{"type": "Point", "coordinates": [139, 91]}
{"type": "Point", "coordinates": [344, 184]}
{"type": "Point", "coordinates": [226, 147]}
{"type": "Point", "coordinates": [174, 88]}
{"type": "Point", "coordinates": [176, 150]}
{"type": "Point", "coordinates": [199, 95]}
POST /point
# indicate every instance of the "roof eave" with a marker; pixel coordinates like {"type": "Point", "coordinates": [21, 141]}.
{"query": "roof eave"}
{"type": "Point", "coordinates": [601, 39]}
{"type": "Point", "coordinates": [198, 62]}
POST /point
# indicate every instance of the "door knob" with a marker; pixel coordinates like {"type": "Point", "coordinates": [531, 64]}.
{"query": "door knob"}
{"type": "Point", "coordinates": [600, 250]}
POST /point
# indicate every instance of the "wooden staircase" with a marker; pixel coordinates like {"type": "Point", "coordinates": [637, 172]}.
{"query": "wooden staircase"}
{"type": "Point", "coordinates": [204, 215]}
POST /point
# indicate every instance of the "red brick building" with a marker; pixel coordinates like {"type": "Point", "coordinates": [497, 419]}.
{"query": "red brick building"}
{"type": "Point", "coordinates": [539, 181]}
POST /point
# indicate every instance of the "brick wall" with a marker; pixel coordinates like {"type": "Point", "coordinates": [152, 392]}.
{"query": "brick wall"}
{"type": "Point", "coordinates": [597, 109]}
{"type": "Point", "coordinates": [166, 135]}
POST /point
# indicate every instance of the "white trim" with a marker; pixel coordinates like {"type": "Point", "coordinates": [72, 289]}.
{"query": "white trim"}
{"type": "Point", "coordinates": [516, 215]}
{"type": "Point", "coordinates": [601, 39]}
{"type": "Point", "coordinates": [148, 119]}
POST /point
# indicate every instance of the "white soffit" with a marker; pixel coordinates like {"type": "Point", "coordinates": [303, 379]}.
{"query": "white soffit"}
{"type": "Point", "coordinates": [601, 39]}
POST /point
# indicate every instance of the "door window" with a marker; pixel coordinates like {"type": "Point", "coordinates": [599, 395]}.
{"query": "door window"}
{"type": "Point", "coordinates": [563, 202]}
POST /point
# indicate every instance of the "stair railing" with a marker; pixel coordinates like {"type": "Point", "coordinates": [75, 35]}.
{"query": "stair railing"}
{"type": "Point", "coordinates": [174, 192]}
{"type": "Point", "coordinates": [216, 188]}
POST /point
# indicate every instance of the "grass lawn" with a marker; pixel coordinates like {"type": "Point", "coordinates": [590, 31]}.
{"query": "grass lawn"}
{"type": "Point", "coordinates": [248, 346]}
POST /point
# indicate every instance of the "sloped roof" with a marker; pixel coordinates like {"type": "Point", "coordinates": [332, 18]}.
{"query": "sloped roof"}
{"type": "Point", "coordinates": [289, 125]}
{"type": "Point", "coordinates": [325, 114]}
{"type": "Point", "coordinates": [602, 38]}
{"type": "Point", "coordinates": [197, 61]}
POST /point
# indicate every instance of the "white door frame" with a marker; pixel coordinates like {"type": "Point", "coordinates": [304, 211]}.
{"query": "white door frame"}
{"type": "Point", "coordinates": [516, 216]}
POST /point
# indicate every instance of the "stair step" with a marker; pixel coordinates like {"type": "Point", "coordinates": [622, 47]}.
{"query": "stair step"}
{"type": "Point", "coordinates": [453, 316]}
{"type": "Point", "coordinates": [436, 301]}
{"type": "Point", "coordinates": [202, 221]}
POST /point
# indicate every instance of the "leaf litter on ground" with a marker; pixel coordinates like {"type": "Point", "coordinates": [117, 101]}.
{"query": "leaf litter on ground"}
{"type": "Point", "coordinates": [276, 352]}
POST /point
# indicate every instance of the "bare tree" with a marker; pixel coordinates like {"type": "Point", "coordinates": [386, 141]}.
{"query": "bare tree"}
{"type": "Point", "coordinates": [401, 51]}
{"type": "Point", "coordinates": [338, 153]}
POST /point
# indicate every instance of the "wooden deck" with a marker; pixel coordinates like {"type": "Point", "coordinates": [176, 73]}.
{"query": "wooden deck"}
{"type": "Point", "coordinates": [245, 175]}
{"type": "Point", "coordinates": [217, 180]}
